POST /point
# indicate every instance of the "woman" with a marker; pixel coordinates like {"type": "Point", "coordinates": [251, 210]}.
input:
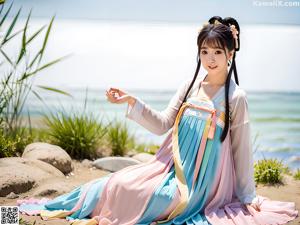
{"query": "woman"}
{"type": "Point", "coordinates": [203, 171]}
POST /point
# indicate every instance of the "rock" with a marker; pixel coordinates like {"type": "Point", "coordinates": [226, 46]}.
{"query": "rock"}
{"type": "Point", "coordinates": [143, 157]}
{"type": "Point", "coordinates": [114, 163]}
{"type": "Point", "coordinates": [51, 154]}
{"type": "Point", "coordinates": [86, 163]}
{"type": "Point", "coordinates": [19, 175]}
{"type": "Point", "coordinates": [131, 153]}
{"type": "Point", "coordinates": [54, 188]}
{"type": "Point", "coordinates": [12, 195]}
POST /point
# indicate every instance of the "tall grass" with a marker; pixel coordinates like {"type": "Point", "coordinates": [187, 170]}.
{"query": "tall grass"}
{"type": "Point", "coordinates": [17, 82]}
{"type": "Point", "coordinates": [119, 138]}
{"type": "Point", "coordinates": [76, 131]}
{"type": "Point", "coordinates": [79, 135]}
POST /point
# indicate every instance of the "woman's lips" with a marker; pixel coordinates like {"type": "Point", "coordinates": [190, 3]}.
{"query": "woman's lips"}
{"type": "Point", "coordinates": [212, 67]}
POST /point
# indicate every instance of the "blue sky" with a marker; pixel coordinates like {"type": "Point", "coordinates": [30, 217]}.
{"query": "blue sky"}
{"type": "Point", "coordinates": [246, 11]}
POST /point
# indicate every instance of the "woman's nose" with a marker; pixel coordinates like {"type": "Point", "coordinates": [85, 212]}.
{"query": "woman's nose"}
{"type": "Point", "coordinates": [212, 58]}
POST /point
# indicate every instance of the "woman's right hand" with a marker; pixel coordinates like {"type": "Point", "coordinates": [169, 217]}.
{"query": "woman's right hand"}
{"type": "Point", "coordinates": [118, 96]}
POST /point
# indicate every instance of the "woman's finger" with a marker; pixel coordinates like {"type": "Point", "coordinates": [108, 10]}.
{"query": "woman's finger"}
{"type": "Point", "coordinates": [114, 89]}
{"type": "Point", "coordinates": [117, 90]}
{"type": "Point", "coordinates": [110, 97]}
{"type": "Point", "coordinates": [256, 207]}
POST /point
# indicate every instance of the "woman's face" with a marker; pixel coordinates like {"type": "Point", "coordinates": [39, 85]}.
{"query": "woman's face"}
{"type": "Point", "coordinates": [214, 60]}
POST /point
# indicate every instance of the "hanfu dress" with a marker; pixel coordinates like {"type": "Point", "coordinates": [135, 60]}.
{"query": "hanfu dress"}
{"type": "Point", "coordinates": [194, 178]}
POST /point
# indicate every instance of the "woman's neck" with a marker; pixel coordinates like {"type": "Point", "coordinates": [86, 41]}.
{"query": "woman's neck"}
{"type": "Point", "coordinates": [215, 80]}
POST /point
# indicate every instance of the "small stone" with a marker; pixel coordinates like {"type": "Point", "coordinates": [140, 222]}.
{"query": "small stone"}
{"type": "Point", "coordinates": [12, 195]}
{"type": "Point", "coordinates": [86, 163]}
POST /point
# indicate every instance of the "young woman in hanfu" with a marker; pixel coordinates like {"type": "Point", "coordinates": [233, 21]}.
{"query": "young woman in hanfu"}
{"type": "Point", "coordinates": [203, 171]}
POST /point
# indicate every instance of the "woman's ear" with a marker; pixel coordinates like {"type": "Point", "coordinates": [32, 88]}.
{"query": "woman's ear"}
{"type": "Point", "coordinates": [230, 55]}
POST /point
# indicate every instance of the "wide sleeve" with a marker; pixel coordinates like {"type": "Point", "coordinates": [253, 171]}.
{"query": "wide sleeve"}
{"type": "Point", "coordinates": [157, 122]}
{"type": "Point", "coordinates": [242, 149]}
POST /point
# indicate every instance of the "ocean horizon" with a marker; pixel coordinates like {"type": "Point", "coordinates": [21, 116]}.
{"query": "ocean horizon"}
{"type": "Point", "coordinates": [274, 117]}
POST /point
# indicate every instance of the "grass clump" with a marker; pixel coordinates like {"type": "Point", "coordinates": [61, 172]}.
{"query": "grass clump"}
{"type": "Point", "coordinates": [13, 143]}
{"type": "Point", "coordinates": [7, 146]}
{"type": "Point", "coordinates": [119, 138]}
{"type": "Point", "coordinates": [78, 134]}
{"type": "Point", "coordinates": [297, 174]}
{"type": "Point", "coordinates": [268, 171]}
{"type": "Point", "coordinates": [143, 147]}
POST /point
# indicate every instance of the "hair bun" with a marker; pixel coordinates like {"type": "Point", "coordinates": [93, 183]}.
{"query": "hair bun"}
{"type": "Point", "coordinates": [231, 21]}
{"type": "Point", "coordinates": [215, 18]}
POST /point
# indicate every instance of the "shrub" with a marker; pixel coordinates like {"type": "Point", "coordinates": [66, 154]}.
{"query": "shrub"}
{"type": "Point", "coordinates": [78, 134]}
{"type": "Point", "coordinates": [268, 171]}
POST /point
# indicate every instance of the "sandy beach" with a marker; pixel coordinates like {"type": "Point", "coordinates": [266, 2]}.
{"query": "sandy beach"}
{"type": "Point", "coordinates": [290, 191]}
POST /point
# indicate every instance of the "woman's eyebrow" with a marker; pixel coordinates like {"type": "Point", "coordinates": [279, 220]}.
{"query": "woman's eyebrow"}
{"type": "Point", "coordinates": [213, 48]}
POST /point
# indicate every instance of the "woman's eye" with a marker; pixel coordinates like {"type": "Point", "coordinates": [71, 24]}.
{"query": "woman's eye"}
{"type": "Point", "coordinates": [218, 52]}
{"type": "Point", "coordinates": [204, 52]}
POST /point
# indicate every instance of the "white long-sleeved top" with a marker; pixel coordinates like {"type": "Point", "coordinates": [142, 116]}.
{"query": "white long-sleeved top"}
{"type": "Point", "coordinates": [159, 122]}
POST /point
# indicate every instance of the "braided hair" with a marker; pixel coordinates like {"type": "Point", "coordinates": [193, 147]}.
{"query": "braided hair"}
{"type": "Point", "coordinates": [219, 35]}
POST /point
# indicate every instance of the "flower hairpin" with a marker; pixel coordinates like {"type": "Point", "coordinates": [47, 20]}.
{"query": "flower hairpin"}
{"type": "Point", "coordinates": [217, 22]}
{"type": "Point", "coordinates": [234, 32]}
{"type": "Point", "coordinates": [207, 23]}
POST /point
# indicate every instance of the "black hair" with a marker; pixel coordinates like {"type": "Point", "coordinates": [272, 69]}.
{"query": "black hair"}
{"type": "Point", "coordinates": [218, 34]}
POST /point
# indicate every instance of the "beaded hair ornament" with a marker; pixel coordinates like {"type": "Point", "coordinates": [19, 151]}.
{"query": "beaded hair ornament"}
{"type": "Point", "coordinates": [233, 29]}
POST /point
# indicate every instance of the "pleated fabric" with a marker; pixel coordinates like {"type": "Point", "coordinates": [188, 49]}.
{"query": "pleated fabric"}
{"type": "Point", "coordinates": [191, 180]}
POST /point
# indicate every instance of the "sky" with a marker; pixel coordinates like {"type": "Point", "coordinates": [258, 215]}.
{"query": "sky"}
{"type": "Point", "coordinates": [246, 11]}
{"type": "Point", "coordinates": [107, 42]}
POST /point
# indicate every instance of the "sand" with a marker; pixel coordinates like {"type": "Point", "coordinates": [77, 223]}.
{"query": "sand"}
{"type": "Point", "coordinates": [290, 191]}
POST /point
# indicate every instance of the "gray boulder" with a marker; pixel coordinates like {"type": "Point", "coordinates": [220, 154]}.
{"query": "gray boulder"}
{"type": "Point", "coordinates": [114, 163]}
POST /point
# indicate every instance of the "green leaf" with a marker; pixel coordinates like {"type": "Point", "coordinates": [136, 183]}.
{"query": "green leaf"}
{"type": "Point", "coordinates": [23, 49]}
{"type": "Point", "coordinates": [6, 14]}
{"type": "Point", "coordinates": [38, 96]}
{"type": "Point", "coordinates": [41, 68]}
{"type": "Point", "coordinates": [46, 38]}
{"type": "Point", "coordinates": [14, 35]}
{"type": "Point", "coordinates": [35, 34]}
{"type": "Point", "coordinates": [54, 90]}
{"type": "Point", "coordinates": [13, 23]}
{"type": "Point", "coordinates": [34, 59]}
{"type": "Point", "coordinates": [6, 57]}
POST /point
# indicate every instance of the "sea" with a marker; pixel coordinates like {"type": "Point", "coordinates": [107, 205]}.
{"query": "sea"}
{"type": "Point", "coordinates": [274, 117]}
